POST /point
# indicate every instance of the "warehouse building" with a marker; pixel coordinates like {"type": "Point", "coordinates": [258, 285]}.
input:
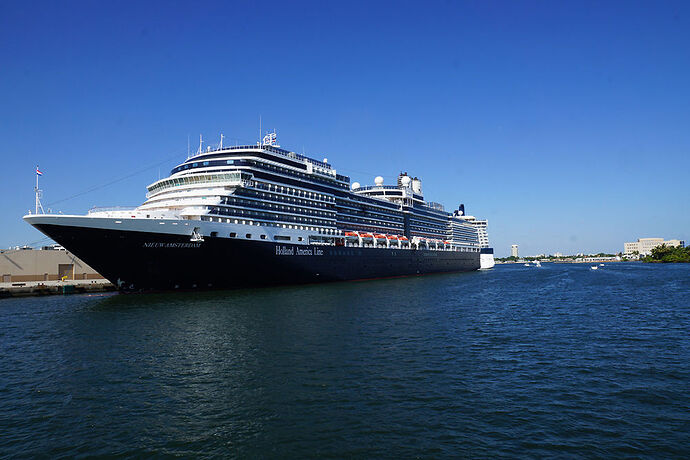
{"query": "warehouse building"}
{"type": "Point", "coordinates": [50, 263]}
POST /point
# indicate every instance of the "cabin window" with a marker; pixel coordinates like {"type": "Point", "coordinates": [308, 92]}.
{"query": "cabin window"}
{"type": "Point", "coordinates": [233, 235]}
{"type": "Point", "coordinates": [263, 237]}
{"type": "Point", "coordinates": [214, 234]}
{"type": "Point", "coordinates": [281, 238]}
{"type": "Point", "coordinates": [299, 238]}
{"type": "Point", "coordinates": [249, 235]}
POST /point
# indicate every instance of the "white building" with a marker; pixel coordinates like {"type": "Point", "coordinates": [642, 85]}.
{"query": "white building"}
{"type": "Point", "coordinates": [514, 251]}
{"type": "Point", "coordinates": [644, 246]}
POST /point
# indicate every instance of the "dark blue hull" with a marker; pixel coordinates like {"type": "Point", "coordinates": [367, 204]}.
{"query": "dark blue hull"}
{"type": "Point", "coordinates": [139, 260]}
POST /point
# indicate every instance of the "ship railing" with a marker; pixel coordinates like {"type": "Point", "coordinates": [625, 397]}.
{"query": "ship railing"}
{"type": "Point", "coordinates": [377, 187]}
{"type": "Point", "coordinates": [435, 206]}
{"type": "Point", "coordinates": [102, 209]}
{"type": "Point", "coordinates": [270, 148]}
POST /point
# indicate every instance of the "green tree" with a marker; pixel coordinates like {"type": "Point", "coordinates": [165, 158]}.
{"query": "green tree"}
{"type": "Point", "coordinates": [669, 254]}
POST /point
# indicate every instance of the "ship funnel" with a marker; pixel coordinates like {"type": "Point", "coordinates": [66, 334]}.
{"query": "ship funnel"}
{"type": "Point", "coordinates": [417, 185]}
{"type": "Point", "coordinates": [461, 209]}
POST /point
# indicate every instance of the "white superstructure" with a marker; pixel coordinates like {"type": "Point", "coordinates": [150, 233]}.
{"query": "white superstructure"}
{"type": "Point", "coordinates": [267, 193]}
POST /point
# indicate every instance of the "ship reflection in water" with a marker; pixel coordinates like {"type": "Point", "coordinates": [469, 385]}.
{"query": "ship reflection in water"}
{"type": "Point", "coordinates": [515, 362]}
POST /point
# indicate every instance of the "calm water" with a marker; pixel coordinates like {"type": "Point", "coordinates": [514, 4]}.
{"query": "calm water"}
{"type": "Point", "coordinates": [528, 362]}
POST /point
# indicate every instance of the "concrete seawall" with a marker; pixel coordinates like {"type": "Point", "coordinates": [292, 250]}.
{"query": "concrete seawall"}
{"type": "Point", "coordinates": [39, 288]}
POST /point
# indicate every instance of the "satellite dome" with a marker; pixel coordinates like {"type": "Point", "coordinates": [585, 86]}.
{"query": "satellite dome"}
{"type": "Point", "coordinates": [378, 181]}
{"type": "Point", "coordinates": [406, 181]}
{"type": "Point", "coordinates": [355, 185]}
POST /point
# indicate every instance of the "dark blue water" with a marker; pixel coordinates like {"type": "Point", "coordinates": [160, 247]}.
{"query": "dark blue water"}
{"type": "Point", "coordinates": [517, 362]}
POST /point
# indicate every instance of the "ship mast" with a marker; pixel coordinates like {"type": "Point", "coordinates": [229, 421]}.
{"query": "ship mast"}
{"type": "Point", "coordinates": [38, 194]}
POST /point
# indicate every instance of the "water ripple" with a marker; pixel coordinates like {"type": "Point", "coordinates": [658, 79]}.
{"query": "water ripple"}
{"type": "Point", "coordinates": [560, 361]}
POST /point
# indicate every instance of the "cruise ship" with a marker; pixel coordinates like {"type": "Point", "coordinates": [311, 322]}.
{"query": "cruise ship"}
{"type": "Point", "coordinates": [262, 215]}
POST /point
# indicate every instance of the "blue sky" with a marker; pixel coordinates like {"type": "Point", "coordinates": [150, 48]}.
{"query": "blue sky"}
{"type": "Point", "coordinates": [566, 124]}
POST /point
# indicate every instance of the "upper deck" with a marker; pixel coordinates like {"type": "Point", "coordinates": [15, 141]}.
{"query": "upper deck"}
{"type": "Point", "coordinates": [211, 155]}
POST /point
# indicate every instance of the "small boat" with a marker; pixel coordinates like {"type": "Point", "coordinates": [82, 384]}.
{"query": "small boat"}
{"type": "Point", "coordinates": [537, 263]}
{"type": "Point", "coordinates": [594, 267]}
{"type": "Point", "coordinates": [526, 265]}
{"type": "Point", "coordinates": [601, 265]}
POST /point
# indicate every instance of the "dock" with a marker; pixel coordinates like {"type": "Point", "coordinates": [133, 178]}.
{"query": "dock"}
{"type": "Point", "coordinates": [41, 288]}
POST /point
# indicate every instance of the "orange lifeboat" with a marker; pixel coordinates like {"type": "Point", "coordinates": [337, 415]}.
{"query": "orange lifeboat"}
{"type": "Point", "coordinates": [379, 236]}
{"type": "Point", "coordinates": [367, 236]}
{"type": "Point", "coordinates": [403, 238]}
{"type": "Point", "coordinates": [392, 237]}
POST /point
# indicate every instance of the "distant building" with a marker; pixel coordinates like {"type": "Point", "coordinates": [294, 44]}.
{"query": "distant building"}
{"type": "Point", "coordinates": [644, 246]}
{"type": "Point", "coordinates": [514, 251]}
{"type": "Point", "coordinates": [557, 254]}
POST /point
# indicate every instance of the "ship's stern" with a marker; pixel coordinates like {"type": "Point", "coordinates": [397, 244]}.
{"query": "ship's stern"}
{"type": "Point", "coordinates": [486, 259]}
